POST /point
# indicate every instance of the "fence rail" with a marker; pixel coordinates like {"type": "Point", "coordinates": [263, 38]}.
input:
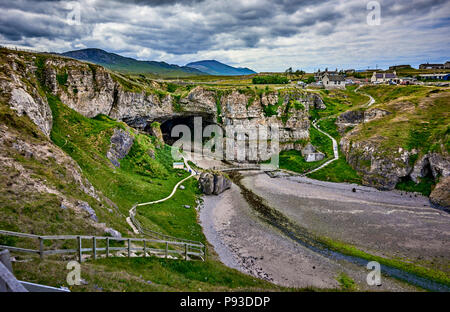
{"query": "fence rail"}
{"type": "Point", "coordinates": [157, 247]}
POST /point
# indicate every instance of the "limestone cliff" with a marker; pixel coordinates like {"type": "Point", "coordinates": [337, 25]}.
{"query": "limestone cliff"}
{"type": "Point", "coordinates": [398, 140]}
{"type": "Point", "coordinates": [92, 90]}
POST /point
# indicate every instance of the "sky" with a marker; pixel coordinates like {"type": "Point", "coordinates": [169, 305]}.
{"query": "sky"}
{"type": "Point", "coordinates": [259, 34]}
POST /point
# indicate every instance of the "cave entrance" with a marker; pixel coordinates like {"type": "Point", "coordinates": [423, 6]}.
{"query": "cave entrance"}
{"type": "Point", "coordinates": [169, 124]}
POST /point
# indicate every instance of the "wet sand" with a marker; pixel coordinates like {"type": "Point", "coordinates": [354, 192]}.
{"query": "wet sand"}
{"type": "Point", "coordinates": [250, 245]}
{"type": "Point", "coordinates": [385, 223]}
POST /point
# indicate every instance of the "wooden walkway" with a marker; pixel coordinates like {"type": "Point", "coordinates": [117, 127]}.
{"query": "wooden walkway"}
{"type": "Point", "coordinates": [105, 246]}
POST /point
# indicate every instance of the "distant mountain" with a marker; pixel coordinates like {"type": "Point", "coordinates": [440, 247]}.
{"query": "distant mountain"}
{"type": "Point", "coordinates": [131, 66]}
{"type": "Point", "coordinates": [214, 67]}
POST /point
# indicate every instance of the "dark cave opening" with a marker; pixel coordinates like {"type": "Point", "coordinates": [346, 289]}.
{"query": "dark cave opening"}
{"type": "Point", "coordinates": [169, 124]}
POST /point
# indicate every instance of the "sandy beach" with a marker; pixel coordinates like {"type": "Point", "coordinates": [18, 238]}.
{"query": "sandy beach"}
{"type": "Point", "coordinates": [250, 245]}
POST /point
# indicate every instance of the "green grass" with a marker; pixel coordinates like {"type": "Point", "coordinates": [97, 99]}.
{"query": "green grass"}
{"type": "Point", "coordinates": [172, 217]}
{"type": "Point", "coordinates": [425, 186]}
{"type": "Point", "coordinates": [417, 121]}
{"type": "Point", "coordinates": [346, 282]}
{"type": "Point", "coordinates": [435, 275]}
{"type": "Point", "coordinates": [338, 101]}
{"type": "Point", "coordinates": [338, 171]}
{"type": "Point", "coordinates": [139, 179]}
{"type": "Point", "coordinates": [145, 274]}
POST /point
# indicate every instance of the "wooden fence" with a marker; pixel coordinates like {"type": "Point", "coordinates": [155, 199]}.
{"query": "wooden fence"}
{"type": "Point", "coordinates": [133, 247]}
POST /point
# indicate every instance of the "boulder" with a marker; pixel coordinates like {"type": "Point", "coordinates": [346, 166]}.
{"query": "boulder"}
{"type": "Point", "coordinates": [121, 143]}
{"type": "Point", "coordinates": [221, 184]}
{"type": "Point", "coordinates": [213, 183]}
{"type": "Point", "coordinates": [206, 183]}
{"type": "Point", "coordinates": [113, 233]}
{"type": "Point", "coordinates": [441, 193]}
{"type": "Point", "coordinates": [310, 153]}
{"type": "Point", "coordinates": [314, 157]}
{"type": "Point", "coordinates": [308, 149]}
{"type": "Point", "coordinates": [85, 206]}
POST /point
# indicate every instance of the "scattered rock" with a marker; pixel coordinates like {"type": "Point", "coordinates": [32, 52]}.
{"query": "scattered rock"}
{"type": "Point", "coordinates": [213, 183]}
{"type": "Point", "coordinates": [441, 193]}
{"type": "Point", "coordinates": [308, 149]}
{"type": "Point", "coordinates": [182, 187]}
{"type": "Point", "coordinates": [310, 153]}
{"type": "Point", "coordinates": [85, 206]}
{"type": "Point", "coordinates": [314, 157]}
{"type": "Point", "coordinates": [187, 206]}
{"type": "Point", "coordinates": [113, 233]}
{"type": "Point", "coordinates": [121, 143]}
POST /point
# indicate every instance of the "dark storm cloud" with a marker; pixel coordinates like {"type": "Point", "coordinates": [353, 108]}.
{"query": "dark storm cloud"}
{"type": "Point", "coordinates": [151, 28]}
{"type": "Point", "coordinates": [233, 19]}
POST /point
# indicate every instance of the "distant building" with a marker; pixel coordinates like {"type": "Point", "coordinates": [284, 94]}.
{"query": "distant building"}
{"type": "Point", "coordinates": [435, 76]}
{"type": "Point", "coordinates": [333, 81]}
{"type": "Point", "coordinates": [178, 165]}
{"type": "Point", "coordinates": [407, 80]}
{"type": "Point", "coordinates": [431, 66]}
{"type": "Point", "coordinates": [447, 65]}
{"type": "Point", "coordinates": [384, 77]}
{"type": "Point", "coordinates": [320, 74]}
{"type": "Point", "coordinates": [397, 67]}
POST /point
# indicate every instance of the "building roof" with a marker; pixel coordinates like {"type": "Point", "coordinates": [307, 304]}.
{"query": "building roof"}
{"type": "Point", "coordinates": [434, 75]}
{"type": "Point", "coordinates": [385, 75]}
{"type": "Point", "coordinates": [335, 78]}
{"type": "Point", "coordinates": [427, 64]}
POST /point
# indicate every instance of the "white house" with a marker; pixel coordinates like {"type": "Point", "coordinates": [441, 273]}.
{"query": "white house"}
{"type": "Point", "coordinates": [384, 77]}
{"type": "Point", "coordinates": [333, 81]}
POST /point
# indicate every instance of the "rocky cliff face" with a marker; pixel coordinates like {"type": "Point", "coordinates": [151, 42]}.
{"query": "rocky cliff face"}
{"type": "Point", "coordinates": [353, 118]}
{"type": "Point", "coordinates": [18, 89]}
{"type": "Point", "coordinates": [92, 90]}
{"type": "Point", "coordinates": [379, 147]}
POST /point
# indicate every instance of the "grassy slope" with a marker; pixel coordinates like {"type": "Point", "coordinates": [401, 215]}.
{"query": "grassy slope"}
{"type": "Point", "coordinates": [140, 178]}
{"type": "Point", "coordinates": [339, 171]}
{"type": "Point", "coordinates": [420, 120]}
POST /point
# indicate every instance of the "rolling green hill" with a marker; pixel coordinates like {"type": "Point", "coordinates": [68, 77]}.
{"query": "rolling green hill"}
{"type": "Point", "coordinates": [129, 65]}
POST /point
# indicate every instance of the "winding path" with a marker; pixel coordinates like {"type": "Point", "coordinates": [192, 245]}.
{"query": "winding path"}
{"type": "Point", "coordinates": [335, 148]}
{"type": "Point", "coordinates": [132, 211]}
{"type": "Point", "coordinates": [335, 145]}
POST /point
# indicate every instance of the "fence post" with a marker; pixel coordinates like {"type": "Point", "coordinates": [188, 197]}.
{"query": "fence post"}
{"type": "Point", "coordinates": [129, 248]}
{"type": "Point", "coordinates": [94, 249]}
{"type": "Point", "coordinates": [204, 254]}
{"type": "Point", "coordinates": [80, 256]}
{"type": "Point", "coordinates": [107, 247]}
{"type": "Point", "coordinates": [185, 251]}
{"type": "Point", "coordinates": [145, 249]}
{"type": "Point", "coordinates": [167, 250]}
{"type": "Point", "coordinates": [41, 248]}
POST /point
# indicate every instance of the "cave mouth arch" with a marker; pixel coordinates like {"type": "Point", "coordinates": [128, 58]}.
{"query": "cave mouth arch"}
{"type": "Point", "coordinates": [167, 124]}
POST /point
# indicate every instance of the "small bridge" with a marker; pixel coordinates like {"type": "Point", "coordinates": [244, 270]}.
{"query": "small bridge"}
{"type": "Point", "coordinates": [263, 167]}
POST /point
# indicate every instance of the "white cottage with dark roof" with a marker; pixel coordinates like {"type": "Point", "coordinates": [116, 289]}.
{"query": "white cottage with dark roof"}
{"type": "Point", "coordinates": [333, 81]}
{"type": "Point", "coordinates": [384, 77]}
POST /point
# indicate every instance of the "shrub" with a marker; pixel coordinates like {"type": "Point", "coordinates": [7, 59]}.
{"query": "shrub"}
{"type": "Point", "coordinates": [275, 79]}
